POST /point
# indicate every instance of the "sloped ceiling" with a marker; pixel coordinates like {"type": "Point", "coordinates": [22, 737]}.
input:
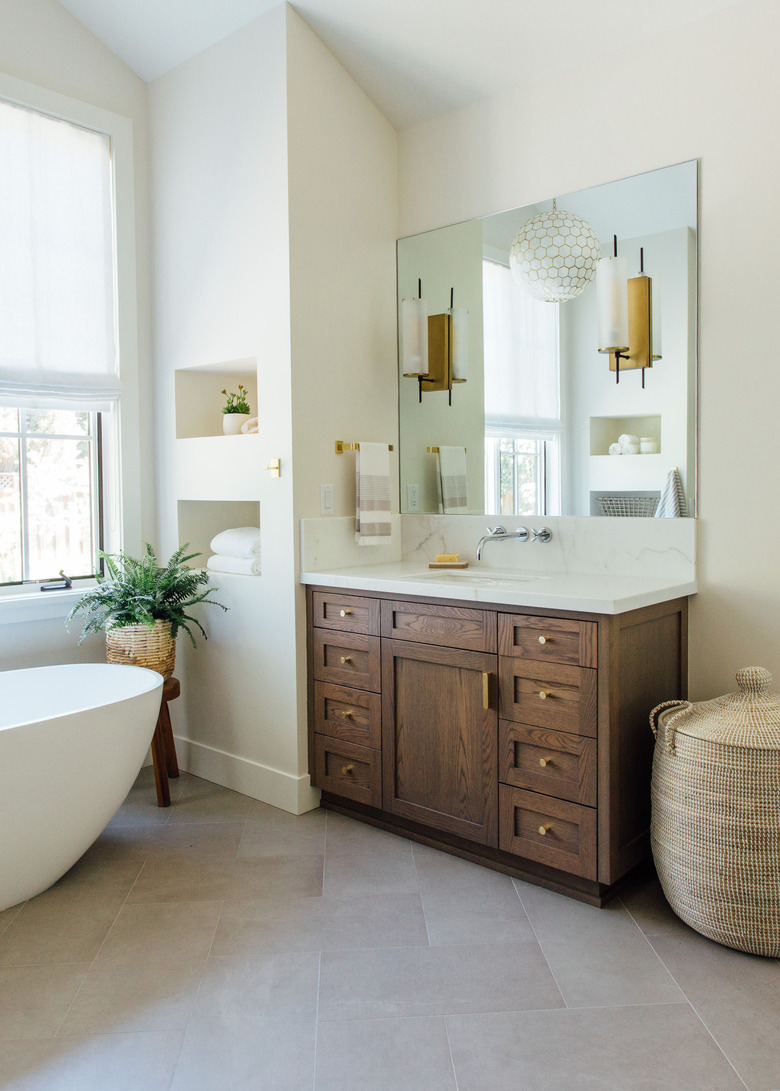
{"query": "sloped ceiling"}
{"type": "Point", "coordinates": [414, 58]}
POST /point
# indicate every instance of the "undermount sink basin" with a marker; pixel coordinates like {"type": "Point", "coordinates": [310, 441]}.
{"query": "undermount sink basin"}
{"type": "Point", "coordinates": [481, 579]}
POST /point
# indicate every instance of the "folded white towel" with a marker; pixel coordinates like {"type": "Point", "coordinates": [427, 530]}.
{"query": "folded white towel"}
{"type": "Point", "coordinates": [454, 489]}
{"type": "Point", "coordinates": [238, 542]}
{"type": "Point", "coordinates": [250, 427]}
{"type": "Point", "coordinates": [242, 566]}
{"type": "Point", "coordinates": [372, 499]}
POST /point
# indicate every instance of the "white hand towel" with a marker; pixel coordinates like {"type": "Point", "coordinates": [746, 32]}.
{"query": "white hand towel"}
{"type": "Point", "coordinates": [372, 498]}
{"type": "Point", "coordinates": [238, 542]}
{"type": "Point", "coordinates": [454, 490]}
{"type": "Point", "coordinates": [672, 504]}
{"type": "Point", "coordinates": [242, 566]}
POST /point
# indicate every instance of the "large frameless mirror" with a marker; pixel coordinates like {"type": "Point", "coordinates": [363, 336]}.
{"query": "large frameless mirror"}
{"type": "Point", "coordinates": [535, 422]}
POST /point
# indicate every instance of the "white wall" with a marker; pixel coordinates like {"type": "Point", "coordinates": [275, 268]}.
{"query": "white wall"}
{"type": "Point", "coordinates": [709, 90]}
{"type": "Point", "coordinates": [43, 44]}
{"type": "Point", "coordinates": [274, 186]}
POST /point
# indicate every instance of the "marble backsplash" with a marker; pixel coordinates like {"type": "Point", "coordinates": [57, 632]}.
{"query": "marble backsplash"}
{"type": "Point", "coordinates": [657, 548]}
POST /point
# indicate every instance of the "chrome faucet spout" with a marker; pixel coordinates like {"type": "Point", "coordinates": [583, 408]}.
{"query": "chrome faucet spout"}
{"type": "Point", "coordinates": [498, 534]}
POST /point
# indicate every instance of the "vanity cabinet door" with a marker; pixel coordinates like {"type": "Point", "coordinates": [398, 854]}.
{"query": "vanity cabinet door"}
{"type": "Point", "coordinates": [440, 738]}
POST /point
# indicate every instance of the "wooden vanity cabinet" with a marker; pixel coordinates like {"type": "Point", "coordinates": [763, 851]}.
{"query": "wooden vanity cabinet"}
{"type": "Point", "coordinates": [515, 738]}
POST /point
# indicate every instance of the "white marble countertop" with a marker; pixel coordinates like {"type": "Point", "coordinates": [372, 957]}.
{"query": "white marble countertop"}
{"type": "Point", "coordinates": [599, 594]}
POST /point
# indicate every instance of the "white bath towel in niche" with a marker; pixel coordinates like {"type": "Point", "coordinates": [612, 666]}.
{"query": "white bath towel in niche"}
{"type": "Point", "coordinates": [237, 542]}
{"type": "Point", "coordinates": [453, 487]}
{"type": "Point", "coordinates": [372, 494]}
{"type": "Point", "coordinates": [241, 566]}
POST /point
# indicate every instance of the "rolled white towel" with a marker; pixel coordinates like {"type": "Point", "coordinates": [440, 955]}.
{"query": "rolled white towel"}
{"type": "Point", "coordinates": [238, 542]}
{"type": "Point", "coordinates": [615, 449]}
{"type": "Point", "coordinates": [241, 566]}
{"type": "Point", "coordinates": [627, 440]}
{"type": "Point", "coordinates": [250, 427]}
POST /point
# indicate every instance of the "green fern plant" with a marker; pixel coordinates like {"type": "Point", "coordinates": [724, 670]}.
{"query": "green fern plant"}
{"type": "Point", "coordinates": [140, 592]}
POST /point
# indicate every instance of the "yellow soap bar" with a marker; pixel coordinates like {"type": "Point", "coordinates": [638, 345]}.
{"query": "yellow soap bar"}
{"type": "Point", "coordinates": [447, 558]}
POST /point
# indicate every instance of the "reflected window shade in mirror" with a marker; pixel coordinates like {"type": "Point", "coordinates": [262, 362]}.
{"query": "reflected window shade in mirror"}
{"type": "Point", "coordinates": [655, 212]}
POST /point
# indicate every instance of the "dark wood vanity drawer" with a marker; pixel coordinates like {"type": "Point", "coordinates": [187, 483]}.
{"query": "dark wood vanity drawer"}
{"type": "Point", "coordinates": [446, 626]}
{"type": "Point", "coordinates": [554, 763]}
{"type": "Point", "coordinates": [349, 613]}
{"type": "Point", "coordinates": [352, 715]}
{"type": "Point", "coordinates": [348, 770]}
{"type": "Point", "coordinates": [550, 831]}
{"type": "Point", "coordinates": [347, 659]}
{"type": "Point", "coordinates": [550, 695]}
{"type": "Point", "coordinates": [548, 639]}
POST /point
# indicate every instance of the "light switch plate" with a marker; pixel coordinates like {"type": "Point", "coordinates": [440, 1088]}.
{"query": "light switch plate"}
{"type": "Point", "coordinates": [327, 501]}
{"type": "Point", "coordinates": [412, 498]}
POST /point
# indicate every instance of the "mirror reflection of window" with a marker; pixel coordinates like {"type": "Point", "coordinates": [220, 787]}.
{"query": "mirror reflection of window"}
{"type": "Point", "coordinates": [523, 427]}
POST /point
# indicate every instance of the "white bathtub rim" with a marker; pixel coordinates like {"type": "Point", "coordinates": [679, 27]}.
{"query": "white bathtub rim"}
{"type": "Point", "coordinates": [152, 680]}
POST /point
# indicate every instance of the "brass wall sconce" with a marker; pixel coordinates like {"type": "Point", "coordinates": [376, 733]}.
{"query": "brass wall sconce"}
{"type": "Point", "coordinates": [434, 348]}
{"type": "Point", "coordinates": [625, 315]}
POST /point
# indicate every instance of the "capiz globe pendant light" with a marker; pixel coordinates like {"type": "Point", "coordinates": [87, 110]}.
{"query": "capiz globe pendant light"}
{"type": "Point", "coordinates": [554, 255]}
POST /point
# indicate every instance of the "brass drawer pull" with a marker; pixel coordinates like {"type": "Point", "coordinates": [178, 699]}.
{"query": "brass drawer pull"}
{"type": "Point", "coordinates": [345, 659]}
{"type": "Point", "coordinates": [346, 714]}
{"type": "Point", "coordinates": [545, 640]}
{"type": "Point", "coordinates": [347, 769]}
{"type": "Point", "coordinates": [485, 690]}
{"type": "Point", "coordinates": [545, 762]}
{"type": "Point", "coordinates": [346, 613]}
{"type": "Point", "coordinates": [543, 830]}
{"type": "Point", "coordinates": [544, 694]}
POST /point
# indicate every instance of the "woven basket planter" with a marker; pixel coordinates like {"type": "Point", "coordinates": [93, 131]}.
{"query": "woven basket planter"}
{"type": "Point", "coordinates": [715, 830]}
{"type": "Point", "coordinates": [141, 647]}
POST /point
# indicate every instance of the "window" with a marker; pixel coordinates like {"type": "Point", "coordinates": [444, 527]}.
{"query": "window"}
{"type": "Point", "coordinates": [49, 494]}
{"type": "Point", "coordinates": [58, 346]}
{"type": "Point", "coordinates": [522, 398]}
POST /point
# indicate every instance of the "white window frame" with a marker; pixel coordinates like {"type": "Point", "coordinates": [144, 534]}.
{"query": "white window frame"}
{"type": "Point", "coordinates": [121, 443]}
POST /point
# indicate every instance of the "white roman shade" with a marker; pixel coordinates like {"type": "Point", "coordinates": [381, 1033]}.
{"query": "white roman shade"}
{"type": "Point", "coordinates": [522, 381]}
{"type": "Point", "coordinates": [57, 314]}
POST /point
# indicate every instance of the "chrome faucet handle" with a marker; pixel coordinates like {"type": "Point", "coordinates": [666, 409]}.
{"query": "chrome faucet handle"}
{"type": "Point", "coordinates": [544, 534]}
{"type": "Point", "coordinates": [495, 531]}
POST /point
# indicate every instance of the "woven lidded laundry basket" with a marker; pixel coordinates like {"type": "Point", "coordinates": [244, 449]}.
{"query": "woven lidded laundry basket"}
{"type": "Point", "coordinates": [715, 829]}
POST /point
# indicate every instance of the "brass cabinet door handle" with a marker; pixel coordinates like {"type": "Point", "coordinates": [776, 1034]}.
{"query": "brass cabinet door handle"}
{"type": "Point", "coordinates": [543, 639]}
{"type": "Point", "coordinates": [485, 689]}
{"type": "Point", "coordinates": [347, 769]}
{"type": "Point", "coordinates": [543, 830]}
{"type": "Point", "coordinates": [345, 659]}
{"type": "Point", "coordinates": [545, 761]}
{"type": "Point", "coordinates": [346, 613]}
{"type": "Point", "coordinates": [345, 714]}
{"type": "Point", "coordinates": [544, 694]}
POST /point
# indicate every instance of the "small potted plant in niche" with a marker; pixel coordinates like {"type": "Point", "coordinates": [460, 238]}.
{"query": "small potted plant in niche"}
{"type": "Point", "coordinates": [142, 605]}
{"type": "Point", "coordinates": [235, 411]}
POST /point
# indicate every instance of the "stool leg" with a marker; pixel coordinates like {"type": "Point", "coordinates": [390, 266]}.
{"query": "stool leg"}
{"type": "Point", "coordinates": [160, 767]}
{"type": "Point", "coordinates": [164, 724]}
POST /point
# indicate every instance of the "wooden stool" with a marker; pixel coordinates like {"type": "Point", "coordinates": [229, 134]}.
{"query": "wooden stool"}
{"type": "Point", "coordinates": [163, 748]}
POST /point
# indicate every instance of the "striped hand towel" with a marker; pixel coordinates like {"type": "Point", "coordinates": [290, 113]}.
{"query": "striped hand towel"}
{"type": "Point", "coordinates": [452, 470]}
{"type": "Point", "coordinates": [372, 505]}
{"type": "Point", "coordinates": [672, 504]}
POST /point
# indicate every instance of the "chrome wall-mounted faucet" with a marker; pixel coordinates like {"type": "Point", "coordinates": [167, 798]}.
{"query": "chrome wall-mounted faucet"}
{"type": "Point", "coordinates": [544, 534]}
{"type": "Point", "coordinates": [501, 534]}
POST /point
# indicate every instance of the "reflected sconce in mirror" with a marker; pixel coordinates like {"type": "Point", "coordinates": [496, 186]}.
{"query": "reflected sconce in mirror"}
{"type": "Point", "coordinates": [625, 315]}
{"type": "Point", "coordinates": [554, 255]}
{"type": "Point", "coordinates": [434, 348]}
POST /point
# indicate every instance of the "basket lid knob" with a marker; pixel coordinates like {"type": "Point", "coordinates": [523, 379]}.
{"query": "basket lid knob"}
{"type": "Point", "coordinates": [753, 679]}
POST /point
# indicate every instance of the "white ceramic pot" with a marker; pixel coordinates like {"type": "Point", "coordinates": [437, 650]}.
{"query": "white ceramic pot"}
{"type": "Point", "coordinates": [231, 423]}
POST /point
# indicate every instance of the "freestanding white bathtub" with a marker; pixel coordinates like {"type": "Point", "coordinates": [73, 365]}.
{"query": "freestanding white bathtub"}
{"type": "Point", "coordinates": [72, 740]}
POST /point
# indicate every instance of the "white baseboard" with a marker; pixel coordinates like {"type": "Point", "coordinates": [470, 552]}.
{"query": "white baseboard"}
{"type": "Point", "coordinates": [289, 793]}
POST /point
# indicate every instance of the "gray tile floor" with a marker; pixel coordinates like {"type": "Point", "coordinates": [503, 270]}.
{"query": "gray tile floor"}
{"type": "Point", "coordinates": [222, 944]}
